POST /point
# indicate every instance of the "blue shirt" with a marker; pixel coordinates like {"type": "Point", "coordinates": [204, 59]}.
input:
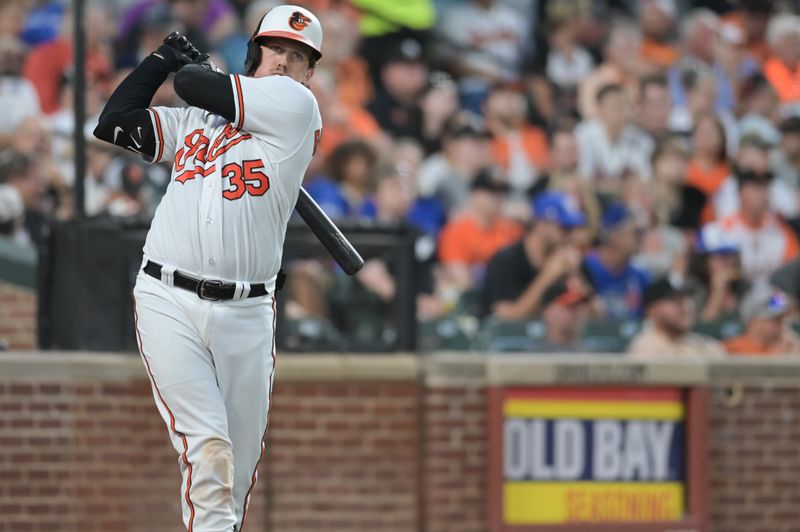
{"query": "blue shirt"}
{"type": "Point", "coordinates": [621, 292]}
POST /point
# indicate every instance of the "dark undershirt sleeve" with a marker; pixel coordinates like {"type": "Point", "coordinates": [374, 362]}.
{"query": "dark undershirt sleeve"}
{"type": "Point", "coordinates": [206, 89]}
{"type": "Point", "coordinates": [125, 121]}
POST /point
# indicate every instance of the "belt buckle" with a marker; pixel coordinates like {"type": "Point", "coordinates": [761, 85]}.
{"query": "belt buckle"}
{"type": "Point", "coordinates": [203, 284]}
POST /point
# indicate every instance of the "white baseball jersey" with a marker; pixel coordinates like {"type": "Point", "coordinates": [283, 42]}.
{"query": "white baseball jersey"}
{"type": "Point", "coordinates": [234, 185]}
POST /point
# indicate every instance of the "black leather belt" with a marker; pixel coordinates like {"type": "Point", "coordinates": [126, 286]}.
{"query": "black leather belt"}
{"type": "Point", "coordinates": [204, 288]}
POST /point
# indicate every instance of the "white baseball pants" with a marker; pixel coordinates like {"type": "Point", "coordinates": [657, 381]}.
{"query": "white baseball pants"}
{"type": "Point", "coordinates": [211, 366]}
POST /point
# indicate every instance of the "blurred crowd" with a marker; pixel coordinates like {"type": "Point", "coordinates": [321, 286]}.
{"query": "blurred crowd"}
{"type": "Point", "coordinates": [565, 163]}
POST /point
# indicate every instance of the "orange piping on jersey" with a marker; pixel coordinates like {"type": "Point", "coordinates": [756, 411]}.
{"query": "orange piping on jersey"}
{"type": "Point", "coordinates": [240, 99]}
{"type": "Point", "coordinates": [159, 133]}
{"type": "Point", "coordinates": [269, 406]}
{"type": "Point", "coordinates": [171, 416]}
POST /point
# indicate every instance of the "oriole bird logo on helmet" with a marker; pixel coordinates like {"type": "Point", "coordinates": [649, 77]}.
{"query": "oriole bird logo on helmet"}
{"type": "Point", "coordinates": [298, 21]}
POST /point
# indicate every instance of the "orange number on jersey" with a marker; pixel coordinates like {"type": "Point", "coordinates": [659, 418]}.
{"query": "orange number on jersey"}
{"type": "Point", "coordinates": [233, 172]}
{"type": "Point", "coordinates": [253, 172]}
{"type": "Point", "coordinates": [249, 177]}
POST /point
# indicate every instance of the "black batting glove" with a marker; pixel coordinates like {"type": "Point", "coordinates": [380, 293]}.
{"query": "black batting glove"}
{"type": "Point", "coordinates": [174, 58]}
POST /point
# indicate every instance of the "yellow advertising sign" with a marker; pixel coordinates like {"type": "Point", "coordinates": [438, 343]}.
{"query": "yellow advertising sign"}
{"type": "Point", "coordinates": [592, 456]}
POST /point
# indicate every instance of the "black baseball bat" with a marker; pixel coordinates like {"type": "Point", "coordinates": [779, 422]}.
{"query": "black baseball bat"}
{"type": "Point", "coordinates": [312, 214]}
{"type": "Point", "coordinates": [328, 234]}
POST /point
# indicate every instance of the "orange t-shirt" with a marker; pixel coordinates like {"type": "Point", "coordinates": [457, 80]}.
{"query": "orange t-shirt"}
{"type": "Point", "coordinates": [358, 124]}
{"type": "Point", "coordinates": [534, 143]}
{"type": "Point", "coordinates": [742, 345]}
{"type": "Point", "coordinates": [658, 54]}
{"type": "Point", "coordinates": [709, 182]}
{"type": "Point", "coordinates": [463, 241]}
{"type": "Point", "coordinates": [785, 82]}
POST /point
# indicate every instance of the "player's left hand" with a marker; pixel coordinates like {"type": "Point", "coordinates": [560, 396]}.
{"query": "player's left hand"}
{"type": "Point", "coordinates": [184, 46]}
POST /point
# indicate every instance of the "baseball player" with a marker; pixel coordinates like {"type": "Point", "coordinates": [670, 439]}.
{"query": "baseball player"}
{"type": "Point", "coordinates": [204, 298]}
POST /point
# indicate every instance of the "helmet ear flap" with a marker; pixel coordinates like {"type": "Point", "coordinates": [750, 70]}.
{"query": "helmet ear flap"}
{"type": "Point", "coordinates": [253, 57]}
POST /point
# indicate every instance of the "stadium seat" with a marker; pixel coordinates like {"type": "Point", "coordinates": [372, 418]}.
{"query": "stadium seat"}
{"type": "Point", "coordinates": [721, 329]}
{"type": "Point", "coordinates": [604, 336]}
{"type": "Point", "coordinates": [450, 333]}
{"type": "Point", "coordinates": [311, 334]}
{"type": "Point", "coordinates": [499, 335]}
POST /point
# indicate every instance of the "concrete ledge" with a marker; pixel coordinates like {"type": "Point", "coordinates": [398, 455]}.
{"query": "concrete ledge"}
{"type": "Point", "coordinates": [447, 370]}
{"type": "Point", "coordinates": [591, 369]}
{"type": "Point", "coordinates": [336, 367]}
{"type": "Point", "coordinates": [784, 371]}
{"type": "Point", "coordinates": [74, 366]}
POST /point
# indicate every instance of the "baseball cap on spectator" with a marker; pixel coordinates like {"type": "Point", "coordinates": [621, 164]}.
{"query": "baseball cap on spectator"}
{"type": "Point", "coordinates": [763, 301]}
{"type": "Point", "coordinates": [555, 207]}
{"type": "Point", "coordinates": [746, 175]}
{"type": "Point", "coordinates": [566, 293]}
{"type": "Point", "coordinates": [407, 50]}
{"type": "Point", "coordinates": [614, 216]}
{"type": "Point", "coordinates": [712, 240]}
{"type": "Point", "coordinates": [665, 288]}
{"type": "Point", "coordinates": [484, 180]}
{"type": "Point", "coordinates": [790, 125]}
{"type": "Point", "coordinates": [466, 124]}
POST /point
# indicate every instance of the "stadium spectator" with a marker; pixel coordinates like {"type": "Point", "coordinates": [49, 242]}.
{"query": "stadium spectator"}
{"type": "Point", "coordinates": [47, 64]}
{"type": "Point", "coordinates": [343, 122]}
{"type": "Point", "coordinates": [12, 19]}
{"type": "Point", "coordinates": [18, 98]}
{"type": "Point", "coordinates": [382, 25]}
{"type": "Point", "coordinates": [468, 241]}
{"type": "Point", "coordinates": [657, 21]}
{"type": "Point", "coordinates": [568, 63]}
{"type": "Point", "coordinates": [752, 17]}
{"type": "Point", "coordinates": [482, 42]}
{"type": "Point", "coordinates": [610, 147]}
{"type": "Point", "coordinates": [518, 148]}
{"type": "Point", "coordinates": [518, 275]}
{"type": "Point", "coordinates": [21, 191]}
{"type": "Point", "coordinates": [759, 109]}
{"type": "Point", "coordinates": [785, 161]}
{"type": "Point", "coordinates": [700, 92]}
{"type": "Point", "coordinates": [348, 181]}
{"type": "Point", "coordinates": [565, 311]}
{"type": "Point", "coordinates": [447, 175]}
{"type": "Point", "coordinates": [620, 67]}
{"type": "Point", "coordinates": [439, 103]}
{"type": "Point", "coordinates": [765, 312]}
{"type": "Point", "coordinates": [700, 34]}
{"type": "Point", "coordinates": [753, 154]}
{"type": "Point", "coordinates": [654, 107]}
{"type": "Point", "coordinates": [663, 248]}
{"type": "Point", "coordinates": [404, 76]}
{"type": "Point", "coordinates": [667, 331]}
{"type": "Point", "coordinates": [764, 240]}
{"type": "Point", "coordinates": [619, 284]}
{"type": "Point", "coordinates": [782, 69]}
{"type": "Point", "coordinates": [715, 273]}
{"type": "Point", "coordinates": [708, 168]}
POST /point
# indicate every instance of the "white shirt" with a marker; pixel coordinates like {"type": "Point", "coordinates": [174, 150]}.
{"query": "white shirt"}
{"type": "Point", "coordinates": [763, 249]}
{"type": "Point", "coordinates": [490, 40]}
{"type": "Point", "coordinates": [783, 198]}
{"type": "Point", "coordinates": [233, 185]}
{"type": "Point", "coordinates": [18, 101]}
{"type": "Point", "coordinates": [603, 159]}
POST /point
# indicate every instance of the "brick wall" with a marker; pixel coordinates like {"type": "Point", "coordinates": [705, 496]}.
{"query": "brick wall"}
{"type": "Point", "coordinates": [755, 458]}
{"type": "Point", "coordinates": [84, 450]}
{"type": "Point", "coordinates": [17, 316]}
{"type": "Point", "coordinates": [455, 459]}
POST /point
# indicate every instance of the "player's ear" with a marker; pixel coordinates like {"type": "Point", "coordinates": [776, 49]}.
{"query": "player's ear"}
{"type": "Point", "coordinates": [309, 74]}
